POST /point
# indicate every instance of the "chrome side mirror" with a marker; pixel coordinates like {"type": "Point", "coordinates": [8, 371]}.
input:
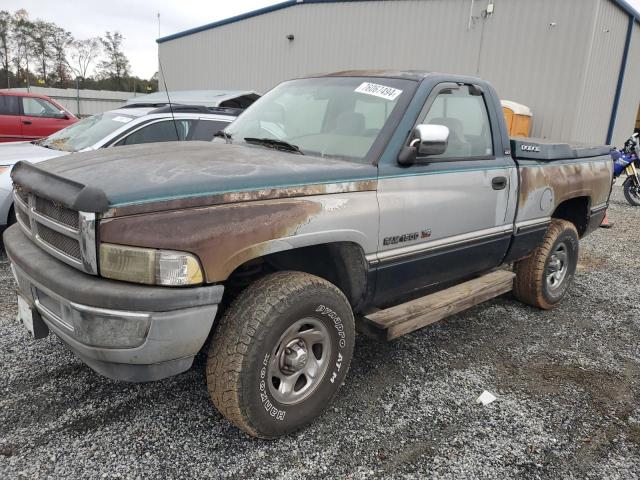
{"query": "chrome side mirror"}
{"type": "Point", "coordinates": [430, 139]}
{"type": "Point", "coordinates": [426, 140]}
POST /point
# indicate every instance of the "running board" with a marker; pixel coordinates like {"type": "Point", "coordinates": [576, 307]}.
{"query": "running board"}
{"type": "Point", "coordinates": [401, 319]}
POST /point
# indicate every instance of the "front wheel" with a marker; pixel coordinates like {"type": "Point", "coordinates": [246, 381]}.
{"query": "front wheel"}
{"type": "Point", "coordinates": [542, 279]}
{"type": "Point", "coordinates": [280, 353]}
{"type": "Point", "coordinates": [632, 191]}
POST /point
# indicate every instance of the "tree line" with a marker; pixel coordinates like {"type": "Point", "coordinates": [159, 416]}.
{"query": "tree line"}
{"type": "Point", "coordinates": [40, 53]}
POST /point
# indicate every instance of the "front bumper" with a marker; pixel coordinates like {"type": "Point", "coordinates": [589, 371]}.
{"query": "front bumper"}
{"type": "Point", "coordinates": [121, 330]}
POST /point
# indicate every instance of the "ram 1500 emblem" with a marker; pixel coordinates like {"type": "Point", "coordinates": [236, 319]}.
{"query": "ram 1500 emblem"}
{"type": "Point", "coordinates": [407, 237]}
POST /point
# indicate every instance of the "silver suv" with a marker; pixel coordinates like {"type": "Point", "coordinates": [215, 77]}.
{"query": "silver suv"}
{"type": "Point", "coordinates": [132, 124]}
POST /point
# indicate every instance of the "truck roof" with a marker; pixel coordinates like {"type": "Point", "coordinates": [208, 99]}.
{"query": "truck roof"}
{"type": "Point", "coordinates": [415, 75]}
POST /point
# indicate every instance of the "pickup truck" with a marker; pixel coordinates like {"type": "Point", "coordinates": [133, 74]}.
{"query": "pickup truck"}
{"type": "Point", "coordinates": [375, 200]}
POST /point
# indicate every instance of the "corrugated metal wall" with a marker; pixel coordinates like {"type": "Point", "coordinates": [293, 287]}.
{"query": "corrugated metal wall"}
{"type": "Point", "coordinates": [85, 102]}
{"type": "Point", "coordinates": [600, 78]}
{"type": "Point", "coordinates": [629, 107]}
{"type": "Point", "coordinates": [534, 52]}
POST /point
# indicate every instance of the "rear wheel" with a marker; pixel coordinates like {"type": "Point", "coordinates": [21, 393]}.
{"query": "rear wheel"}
{"type": "Point", "coordinates": [632, 191]}
{"type": "Point", "coordinates": [542, 279]}
{"type": "Point", "coordinates": [280, 353]}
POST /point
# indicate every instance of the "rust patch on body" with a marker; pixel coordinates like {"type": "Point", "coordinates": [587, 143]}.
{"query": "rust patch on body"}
{"type": "Point", "coordinates": [246, 196]}
{"type": "Point", "coordinates": [223, 237]}
{"type": "Point", "coordinates": [586, 179]}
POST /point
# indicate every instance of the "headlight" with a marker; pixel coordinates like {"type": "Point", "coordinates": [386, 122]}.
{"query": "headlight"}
{"type": "Point", "coordinates": [149, 266]}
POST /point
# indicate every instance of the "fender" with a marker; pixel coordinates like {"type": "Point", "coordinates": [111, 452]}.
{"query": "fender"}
{"type": "Point", "coordinates": [226, 236]}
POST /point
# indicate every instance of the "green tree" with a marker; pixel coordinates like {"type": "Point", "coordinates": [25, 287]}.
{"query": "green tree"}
{"type": "Point", "coordinates": [6, 21]}
{"type": "Point", "coordinates": [22, 37]}
{"type": "Point", "coordinates": [61, 41]}
{"type": "Point", "coordinates": [40, 40]}
{"type": "Point", "coordinates": [116, 64]}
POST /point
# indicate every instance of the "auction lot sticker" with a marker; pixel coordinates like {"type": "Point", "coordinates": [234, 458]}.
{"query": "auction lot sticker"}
{"type": "Point", "coordinates": [381, 91]}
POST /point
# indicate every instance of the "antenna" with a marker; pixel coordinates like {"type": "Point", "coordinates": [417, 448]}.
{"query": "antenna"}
{"type": "Point", "coordinates": [164, 81]}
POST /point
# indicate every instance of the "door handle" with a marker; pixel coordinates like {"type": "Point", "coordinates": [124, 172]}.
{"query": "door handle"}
{"type": "Point", "coordinates": [499, 183]}
{"type": "Point", "coordinates": [26, 122]}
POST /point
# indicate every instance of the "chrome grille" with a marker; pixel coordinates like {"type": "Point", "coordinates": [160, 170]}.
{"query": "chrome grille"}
{"type": "Point", "coordinates": [66, 234]}
{"type": "Point", "coordinates": [57, 212]}
{"type": "Point", "coordinates": [23, 218]}
{"type": "Point", "coordinates": [68, 245]}
{"type": "Point", "coordinates": [23, 195]}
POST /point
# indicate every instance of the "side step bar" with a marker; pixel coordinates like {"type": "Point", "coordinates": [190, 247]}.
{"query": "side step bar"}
{"type": "Point", "coordinates": [401, 319]}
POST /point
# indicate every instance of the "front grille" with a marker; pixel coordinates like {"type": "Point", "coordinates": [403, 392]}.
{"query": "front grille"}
{"type": "Point", "coordinates": [57, 212]}
{"type": "Point", "coordinates": [23, 218]}
{"type": "Point", "coordinates": [23, 195]}
{"type": "Point", "coordinates": [67, 245]}
{"type": "Point", "coordinates": [65, 233]}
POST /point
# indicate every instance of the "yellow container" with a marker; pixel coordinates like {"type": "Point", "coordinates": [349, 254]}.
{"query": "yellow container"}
{"type": "Point", "coordinates": [518, 118]}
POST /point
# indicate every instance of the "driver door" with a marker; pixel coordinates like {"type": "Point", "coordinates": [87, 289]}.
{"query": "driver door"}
{"type": "Point", "coordinates": [445, 217]}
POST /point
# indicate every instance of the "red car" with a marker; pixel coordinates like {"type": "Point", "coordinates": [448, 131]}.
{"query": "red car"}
{"type": "Point", "coordinates": [28, 116]}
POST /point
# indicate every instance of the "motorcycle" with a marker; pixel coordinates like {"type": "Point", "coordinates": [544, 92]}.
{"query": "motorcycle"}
{"type": "Point", "coordinates": [627, 160]}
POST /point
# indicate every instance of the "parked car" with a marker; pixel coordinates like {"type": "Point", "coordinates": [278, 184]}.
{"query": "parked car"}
{"type": "Point", "coordinates": [28, 116]}
{"type": "Point", "coordinates": [125, 126]}
{"type": "Point", "coordinates": [208, 98]}
{"type": "Point", "coordinates": [330, 202]}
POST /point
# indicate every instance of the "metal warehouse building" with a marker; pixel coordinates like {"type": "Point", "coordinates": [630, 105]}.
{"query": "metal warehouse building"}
{"type": "Point", "coordinates": [575, 63]}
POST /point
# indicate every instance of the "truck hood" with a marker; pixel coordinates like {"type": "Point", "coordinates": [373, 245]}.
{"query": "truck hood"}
{"type": "Point", "coordinates": [180, 170]}
{"type": "Point", "coordinates": [13, 152]}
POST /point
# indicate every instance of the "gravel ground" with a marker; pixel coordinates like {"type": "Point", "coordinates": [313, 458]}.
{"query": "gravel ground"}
{"type": "Point", "coordinates": [567, 384]}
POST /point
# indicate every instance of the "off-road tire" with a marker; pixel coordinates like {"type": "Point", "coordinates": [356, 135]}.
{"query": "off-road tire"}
{"type": "Point", "coordinates": [627, 186]}
{"type": "Point", "coordinates": [530, 285]}
{"type": "Point", "coordinates": [244, 341]}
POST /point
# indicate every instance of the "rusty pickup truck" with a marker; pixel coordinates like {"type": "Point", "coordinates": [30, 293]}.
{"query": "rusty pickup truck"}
{"type": "Point", "coordinates": [381, 201]}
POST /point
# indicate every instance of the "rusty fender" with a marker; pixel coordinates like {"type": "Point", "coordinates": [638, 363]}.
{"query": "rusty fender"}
{"type": "Point", "coordinates": [543, 188]}
{"type": "Point", "coordinates": [223, 236]}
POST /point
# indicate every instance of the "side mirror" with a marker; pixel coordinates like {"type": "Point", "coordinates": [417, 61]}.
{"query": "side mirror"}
{"type": "Point", "coordinates": [430, 139]}
{"type": "Point", "coordinates": [62, 114]}
{"type": "Point", "coordinates": [426, 140]}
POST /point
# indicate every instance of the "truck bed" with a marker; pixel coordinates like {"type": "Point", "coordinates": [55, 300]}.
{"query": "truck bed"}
{"type": "Point", "coordinates": [549, 151]}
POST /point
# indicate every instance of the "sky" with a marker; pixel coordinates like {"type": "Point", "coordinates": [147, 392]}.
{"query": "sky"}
{"type": "Point", "coordinates": [137, 20]}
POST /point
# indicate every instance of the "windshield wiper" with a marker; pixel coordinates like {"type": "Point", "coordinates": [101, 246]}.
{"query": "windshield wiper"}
{"type": "Point", "coordinates": [223, 134]}
{"type": "Point", "coordinates": [273, 143]}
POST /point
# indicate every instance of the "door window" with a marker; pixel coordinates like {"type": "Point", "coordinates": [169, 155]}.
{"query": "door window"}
{"type": "Point", "coordinates": [38, 107]}
{"type": "Point", "coordinates": [206, 129]}
{"type": "Point", "coordinates": [466, 117]}
{"type": "Point", "coordinates": [165, 131]}
{"type": "Point", "coordinates": [9, 105]}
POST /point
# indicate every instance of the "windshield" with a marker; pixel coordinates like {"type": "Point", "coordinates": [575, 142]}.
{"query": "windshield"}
{"type": "Point", "coordinates": [85, 133]}
{"type": "Point", "coordinates": [328, 116]}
